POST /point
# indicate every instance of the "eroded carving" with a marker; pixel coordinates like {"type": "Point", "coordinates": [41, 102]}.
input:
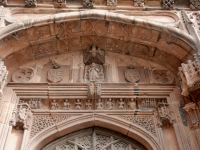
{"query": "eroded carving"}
{"type": "Point", "coordinates": [56, 74]}
{"type": "Point", "coordinates": [139, 3]}
{"type": "Point", "coordinates": [66, 105]}
{"type": "Point", "coordinates": [121, 104]}
{"type": "Point", "coordinates": [111, 2]}
{"type": "Point", "coordinates": [78, 104]}
{"type": "Point", "coordinates": [60, 3]}
{"type": "Point", "coordinates": [162, 76]}
{"type": "Point", "coordinates": [23, 75]}
{"type": "Point", "coordinates": [88, 105]}
{"type": "Point", "coordinates": [88, 3]}
{"type": "Point", "coordinates": [131, 74]}
{"type": "Point", "coordinates": [3, 77]}
{"type": "Point", "coordinates": [109, 104]}
{"type": "Point", "coordinates": [54, 105]}
{"type": "Point", "coordinates": [30, 3]}
{"type": "Point", "coordinates": [132, 104]}
{"type": "Point", "coordinates": [191, 114]}
{"type": "Point", "coordinates": [21, 116]}
{"type": "Point", "coordinates": [99, 104]}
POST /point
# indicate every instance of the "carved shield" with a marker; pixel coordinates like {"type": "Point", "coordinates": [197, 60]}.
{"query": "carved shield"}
{"type": "Point", "coordinates": [55, 75]}
{"type": "Point", "coordinates": [132, 75]}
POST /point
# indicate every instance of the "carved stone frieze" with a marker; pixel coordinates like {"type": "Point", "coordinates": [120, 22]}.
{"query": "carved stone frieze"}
{"type": "Point", "coordinates": [21, 116]}
{"type": "Point", "coordinates": [23, 75]}
{"type": "Point", "coordinates": [168, 3]}
{"type": "Point", "coordinates": [191, 114]}
{"type": "Point", "coordinates": [56, 73]}
{"type": "Point", "coordinates": [131, 74]}
{"type": "Point", "coordinates": [66, 105]}
{"type": "Point", "coordinates": [146, 122]}
{"type": "Point", "coordinates": [54, 105]}
{"type": "Point", "coordinates": [42, 122]}
{"type": "Point", "coordinates": [33, 103]}
{"type": "Point", "coordinates": [88, 3]}
{"type": "Point", "coordinates": [139, 3]}
{"type": "Point", "coordinates": [30, 3]}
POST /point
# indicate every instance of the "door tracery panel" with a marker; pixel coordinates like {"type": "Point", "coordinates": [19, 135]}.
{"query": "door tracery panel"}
{"type": "Point", "coordinates": [94, 139]}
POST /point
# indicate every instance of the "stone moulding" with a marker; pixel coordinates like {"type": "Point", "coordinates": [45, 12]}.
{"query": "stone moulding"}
{"type": "Point", "coordinates": [97, 14]}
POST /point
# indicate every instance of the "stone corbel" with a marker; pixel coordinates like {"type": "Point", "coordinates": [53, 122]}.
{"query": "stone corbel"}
{"type": "Point", "coordinates": [164, 112]}
{"type": "Point", "coordinates": [192, 117]}
{"type": "Point", "coordinates": [21, 116]}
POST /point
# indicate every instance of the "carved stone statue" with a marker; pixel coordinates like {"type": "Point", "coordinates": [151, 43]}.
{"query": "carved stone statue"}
{"type": "Point", "coordinates": [93, 72]}
{"type": "Point", "coordinates": [132, 104]}
{"type": "Point", "coordinates": [78, 104]}
{"type": "Point", "coordinates": [109, 104]}
{"type": "Point", "coordinates": [121, 104]}
{"type": "Point", "coordinates": [54, 105]}
{"type": "Point", "coordinates": [66, 105]}
{"type": "Point", "coordinates": [99, 104]}
{"type": "Point", "coordinates": [88, 104]}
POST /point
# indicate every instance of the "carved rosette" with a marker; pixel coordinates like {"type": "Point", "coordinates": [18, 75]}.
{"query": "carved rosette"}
{"type": "Point", "coordinates": [191, 114]}
{"type": "Point", "coordinates": [23, 75]}
{"type": "Point", "coordinates": [21, 116]}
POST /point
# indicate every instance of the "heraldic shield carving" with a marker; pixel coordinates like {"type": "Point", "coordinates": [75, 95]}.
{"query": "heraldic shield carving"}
{"type": "Point", "coordinates": [131, 74]}
{"type": "Point", "coordinates": [56, 74]}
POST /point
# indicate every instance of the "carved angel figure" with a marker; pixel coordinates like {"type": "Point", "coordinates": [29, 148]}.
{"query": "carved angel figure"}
{"type": "Point", "coordinates": [66, 104]}
{"type": "Point", "coordinates": [78, 104]}
{"type": "Point", "coordinates": [121, 104]}
{"type": "Point", "coordinates": [54, 104]}
{"type": "Point", "coordinates": [132, 104]}
{"type": "Point", "coordinates": [88, 104]}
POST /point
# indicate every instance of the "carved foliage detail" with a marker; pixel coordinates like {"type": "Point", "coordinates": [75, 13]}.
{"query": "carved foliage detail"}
{"type": "Point", "coordinates": [145, 122]}
{"type": "Point", "coordinates": [42, 122]}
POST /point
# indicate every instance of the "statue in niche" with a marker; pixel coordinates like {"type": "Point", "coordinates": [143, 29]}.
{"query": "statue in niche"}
{"type": "Point", "coordinates": [78, 104]}
{"type": "Point", "coordinates": [66, 105]}
{"type": "Point", "coordinates": [132, 104]}
{"type": "Point", "coordinates": [121, 104]}
{"type": "Point", "coordinates": [54, 105]}
{"type": "Point", "coordinates": [88, 104]}
{"type": "Point", "coordinates": [94, 72]}
{"type": "Point", "coordinates": [99, 104]}
{"type": "Point", "coordinates": [109, 104]}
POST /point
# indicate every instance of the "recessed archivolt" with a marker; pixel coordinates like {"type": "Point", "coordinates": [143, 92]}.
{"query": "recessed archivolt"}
{"type": "Point", "coordinates": [84, 121]}
{"type": "Point", "coordinates": [76, 31]}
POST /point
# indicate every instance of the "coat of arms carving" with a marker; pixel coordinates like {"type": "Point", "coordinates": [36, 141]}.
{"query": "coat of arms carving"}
{"type": "Point", "coordinates": [131, 74]}
{"type": "Point", "coordinates": [56, 74]}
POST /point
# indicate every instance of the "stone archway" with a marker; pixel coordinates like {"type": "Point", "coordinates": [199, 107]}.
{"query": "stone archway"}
{"type": "Point", "coordinates": [94, 139]}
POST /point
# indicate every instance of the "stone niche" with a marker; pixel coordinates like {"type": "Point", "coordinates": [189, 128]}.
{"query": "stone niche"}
{"type": "Point", "coordinates": [92, 65]}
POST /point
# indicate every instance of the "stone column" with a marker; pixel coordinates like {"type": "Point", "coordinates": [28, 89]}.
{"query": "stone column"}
{"type": "Point", "coordinates": [106, 69]}
{"type": "Point", "coordinates": [81, 72]}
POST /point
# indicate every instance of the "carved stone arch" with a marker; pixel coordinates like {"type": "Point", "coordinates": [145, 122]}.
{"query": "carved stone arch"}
{"type": "Point", "coordinates": [76, 123]}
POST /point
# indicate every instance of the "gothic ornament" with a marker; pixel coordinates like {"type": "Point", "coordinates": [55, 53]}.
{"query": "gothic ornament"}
{"type": "Point", "coordinates": [168, 3]}
{"type": "Point", "coordinates": [23, 75]}
{"type": "Point", "coordinates": [21, 116]}
{"type": "Point", "coordinates": [60, 3]}
{"type": "Point", "coordinates": [191, 114]}
{"type": "Point", "coordinates": [30, 3]}
{"type": "Point", "coordinates": [111, 2]}
{"type": "Point", "coordinates": [88, 3]}
{"type": "Point", "coordinates": [131, 74]}
{"type": "Point", "coordinates": [3, 77]}
{"type": "Point", "coordinates": [56, 74]}
{"type": "Point", "coordinates": [66, 105]}
{"type": "Point", "coordinates": [139, 3]}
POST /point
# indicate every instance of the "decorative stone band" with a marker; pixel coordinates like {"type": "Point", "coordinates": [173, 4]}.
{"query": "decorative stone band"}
{"type": "Point", "coordinates": [146, 122]}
